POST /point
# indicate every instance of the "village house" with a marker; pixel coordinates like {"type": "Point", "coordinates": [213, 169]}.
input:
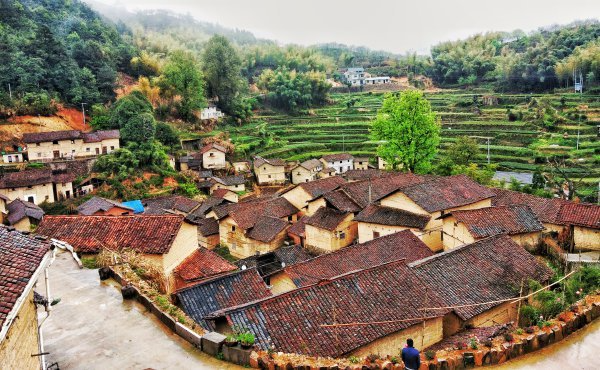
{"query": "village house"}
{"type": "Point", "coordinates": [226, 194]}
{"type": "Point", "coordinates": [211, 113]}
{"type": "Point", "coordinates": [401, 245]}
{"type": "Point", "coordinates": [269, 171]}
{"type": "Point", "coordinates": [213, 157]}
{"type": "Point", "coordinates": [23, 215]}
{"type": "Point", "coordinates": [382, 164]}
{"type": "Point", "coordinates": [241, 166]}
{"type": "Point", "coordinates": [170, 204]}
{"type": "Point", "coordinates": [37, 185]}
{"type": "Point", "coordinates": [465, 227]}
{"type": "Point", "coordinates": [355, 76]}
{"type": "Point", "coordinates": [102, 206]}
{"type": "Point", "coordinates": [201, 265]}
{"type": "Point", "coordinates": [341, 162]}
{"type": "Point", "coordinates": [47, 146]}
{"type": "Point", "coordinates": [164, 240]}
{"type": "Point", "coordinates": [232, 289]}
{"type": "Point", "coordinates": [252, 227]}
{"type": "Point", "coordinates": [12, 157]}
{"type": "Point", "coordinates": [306, 171]}
{"type": "Point", "coordinates": [235, 183]}
{"type": "Point", "coordinates": [489, 270]}
{"type": "Point", "coordinates": [4, 200]}
{"type": "Point", "coordinates": [326, 172]}
{"type": "Point", "coordinates": [437, 197]}
{"type": "Point", "coordinates": [361, 163]}
{"type": "Point", "coordinates": [376, 221]}
{"type": "Point", "coordinates": [329, 230]}
{"type": "Point", "coordinates": [191, 162]}
{"type": "Point", "coordinates": [377, 80]}
{"type": "Point", "coordinates": [583, 223]}
{"type": "Point", "coordinates": [366, 174]}
{"type": "Point", "coordinates": [271, 263]}
{"type": "Point", "coordinates": [23, 260]}
{"type": "Point", "coordinates": [301, 194]}
{"type": "Point", "coordinates": [341, 299]}
{"type": "Point", "coordinates": [208, 233]}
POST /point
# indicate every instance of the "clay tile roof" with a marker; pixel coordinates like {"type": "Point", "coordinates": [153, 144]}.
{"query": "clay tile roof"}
{"type": "Point", "coordinates": [484, 222]}
{"type": "Point", "coordinates": [400, 245]}
{"type": "Point", "coordinates": [208, 226]}
{"type": "Point", "coordinates": [381, 215]}
{"type": "Point", "coordinates": [292, 321]}
{"type": "Point", "coordinates": [231, 180]}
{"type": "Point", "coordinates": [580, 214]}
{"type": "Point", "coordinates": [20, 256]}
{"type": "Point", "coordinates": [271, 262]}
{"type": "Point", "coordinates": [266, 228]}
{"type": "Point", "coordinates": [327, 218]}
{"type": "Point", "coordinates": [222, 292]}
{"type": "Point", "coordinates": [171, 202]}
{"type": "Point", "coordinates": [380, 187]}
{"type": "Point", "coordinates": [259, 161]}
{"type": "Point", "coordinates": [96, 204]}
{"type": "Point", "coordinates": [39, 137]}
{"type": "Point", "coordinates": [311, 164]}
{"type": "Point", "coordinates": [88, 234]}
{"type": "Point", "coordinates": [299, 227]}
{"type": "Point", "coordinates": [200, 265]}
{"type": "Point", "coordinates": [366, 174]}
{"type": "Point", "coordinates": [220, 193]}
{"type": "Point", "coordinates": [26, 178]}
{"type": "Point", "coordinates": [339, 199]}
{"type": "Point", "coordinates": [98, 136]}
{"type": "Point", "coordinates": [337, 157]}
{"type": "Point", "coordinates": [545, 209]}
{"type": "Point", "coordinates": [19, 209]}
{"type": "Point", "coordinates": [245, 214]}
{"type": "Point", "coordinates": [210, 146]}
{"type": "Point", "coordinates": [488, 270]}
{"type": "Point", "coordinates": [328, 170]}
{"type": "Point", "coordinates": [321, 186]}
{"type": "Point", "coordinates": [447, 192]}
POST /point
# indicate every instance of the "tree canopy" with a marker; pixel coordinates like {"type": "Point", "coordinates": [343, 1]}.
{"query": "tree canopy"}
{"type": "Point", "coordinates": [409, 130]}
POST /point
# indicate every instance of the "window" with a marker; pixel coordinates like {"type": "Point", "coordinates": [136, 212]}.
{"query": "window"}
{"type": "Point", "coordinates": [29, 187]}
{"type": "Point", "coordinates": [375, 234]}
{"type": "Point", "coordinates": [112, 147]}
{"type": "Point", "coordinates": [232, 228]}
{"type": "Point", "coordinates": [269, 176]}
{"type": "Point", "coordinates": [37, 144]}
{"type": "Point", "coordinates": [233, 246]}
{"type": "Point", "coordinates": [31, 199]}
{"type": "Point", "coordinates": [72, 141]}
{"type": "Point", "coordinates": [55, 142]}
{"type": "Point", "coordinates": [211, 154]}
{"type": "Point", "coordinates": [87, 149]}
{"type": "Point", "coordinates": [291, 218]}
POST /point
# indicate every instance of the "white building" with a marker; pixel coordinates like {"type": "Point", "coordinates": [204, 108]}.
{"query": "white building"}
{"type": "Point", "coordinates": [341, 162]}
{"type": "Point", "coordinates": [358, 77]}
{"type": "Point", "coordinates": [211, 113]}
{"type": "Point", "coordinates": [377, 80]}
{"type": "Point", "coordinates": [13, 157]}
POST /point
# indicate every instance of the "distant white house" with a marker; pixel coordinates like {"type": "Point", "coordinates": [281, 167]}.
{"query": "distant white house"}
{"type": "Point", "coordinates": [358, 77]}
{"type": "Point", "coordinates": [341, 162]}
{"type": "Point", "coordinates": [13, 157]}
{"type": "Point", "coordinates": [211, 113]}
{"type": "Point", "coordinates": [377, 80]}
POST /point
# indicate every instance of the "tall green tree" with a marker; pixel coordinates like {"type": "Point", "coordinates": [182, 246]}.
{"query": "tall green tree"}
{"type": "Point", "coordinates": [182, 74]}
{"type": "Point", "coordinates": [222, 68]}
{"type": "Point", "coordinates": [139, 129]}
{"type": "Point", "coordinates": [464, 150]}
{"type": "Point", "coordinates": [409, 130]}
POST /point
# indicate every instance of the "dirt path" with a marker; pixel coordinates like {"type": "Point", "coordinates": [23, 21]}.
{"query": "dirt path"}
{"type": "Point", "coordinates": [93, 328]}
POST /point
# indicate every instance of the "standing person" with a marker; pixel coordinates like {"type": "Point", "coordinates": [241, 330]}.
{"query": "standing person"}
{"type": "Point", "coordinates": [410, 356]}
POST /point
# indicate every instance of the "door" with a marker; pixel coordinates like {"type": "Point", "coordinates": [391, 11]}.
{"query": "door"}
{"type": "Point", "coordinates": [56, 154]}
{"type": "Point", "coordinates": [68, 194]}
{"type": "Point", "coordinates": [31, 199]}
{"type": "Point", "coordinates": [97, 151]}
{"type": "Point", "coordinates": [104, 150]}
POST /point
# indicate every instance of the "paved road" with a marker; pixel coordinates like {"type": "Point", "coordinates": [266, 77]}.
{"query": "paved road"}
{"type": "Point", "coordinates": [93, 328]}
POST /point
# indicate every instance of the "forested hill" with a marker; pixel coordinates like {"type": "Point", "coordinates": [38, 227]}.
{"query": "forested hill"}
{"type": "Point", "coordinates": [58, 49]}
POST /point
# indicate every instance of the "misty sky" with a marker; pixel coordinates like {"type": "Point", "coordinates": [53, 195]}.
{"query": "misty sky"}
{"type": "Point", "coordinates": [392, 25]}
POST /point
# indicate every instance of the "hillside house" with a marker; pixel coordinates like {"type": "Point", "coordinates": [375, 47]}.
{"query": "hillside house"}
{"type": "Point", "coordinates": [37, 185]}
{"type": "Point", "coordinates": [241, 166]}
{"type": "Point", "coordinates": [192, 161]}
{"type": "Point", "coordinates": [208, 233]}
{"type": "Point", "coordinates": [102, 206]}
{"type": "Point", "coordinates": [213, 157]}
{"type": "Point", "coordinates": [377, 80]}
{"type": "Point", "coordinates": [12, 157]}
{"type": "Point", "coordinates": [169, 204]}
{"type": "Point", "coordinates": [235, 183]}
{"type": "Point", "coordinates": [361, 163]}
{"type": "Point", "coordinates": [269, 171]}
{"type": "Point", "coordinates": [164, 240]}
{"type": "Point", "coordinates": [200, 266]}
{"type": "Point", "coordinates": [459, 281]}
{"type": "Point", "coordinates": [437, 197]}
{"type": "Point", "coordinates": [468, 226]}
{"type": "Point", "coordinates": [376, 221]}
{"type": "Point", "coordinates": [583, 223]}
{"type": "Point", "coordinates": [297, 328]}
{"type": "Point", "coordinates": [329, 230]}
{"type": "Point", "coordinates": [394, 247]}
{"type": "Point", "coordinates": [270, 264]}
{"type": "Point", "coordinates": [23, 215]}
{"type": "Point", "coordinates": [306, 171]}
{"type": "Point", "coordinates": [211, 113]}
{"type": "Point", "coordinates": [230, 290]}
{"type": "Point", "coordinates": [301, 194]}
{"type": "Point", "coordinates": [341, 162]}
{"type": "Point", "coordinates": [226, 194]}
{"type": "Point", "coordinates": [70, 144]}
{"type": "Point", "coordinates": [23, 260]}
{"type": "Point", "coordinates": [326, 172]}
{"type": "Point", "coordinates": [355, 76]}
{"type": "Point", "coordinates": [255, 227]}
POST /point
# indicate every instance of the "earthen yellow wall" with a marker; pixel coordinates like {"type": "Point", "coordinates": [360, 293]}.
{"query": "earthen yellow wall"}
{"type": "Point", "coordinates": [455, 233]}
{"type": "Point", "coordinates": [301, 174]}
{"type": "Point", "coordinates": [185, 243]}
{"type": "Point", "coordinates": [553, 227]}
{"type": "Point", "coordinates": [586, 238]}
{"type": "Point", "coordinates": [298, 197]}
{"type": "Point", "coordinates": [500, 314]}
{"type": "Point", "coordinates": [62, 189]}
{"type": "Point", "coordinates": [327, 241]}
{"type": "Point", "coordinates": [393, 343]}
{"type": "Point", "coordinates": [217, 161]}
{"type": "Point", "coordinates": [363, 165]}
{"type": "Point", "coordinates": [23, 225]}
{"type": "Point", "coordinates": [527, 239]}
{"type": "Point", "coordinates": [365, 230]}
{"type": "Point", "coordinates": [263, 172]}
{"type": "Point", "coordinates": [401, 201]}
{"type": "Point", "coordinates": [314, 206]}
{"type": "Point", "coordinates": [208, 242]}
{"type": "Point", "coordinates": [240, 246]}
{"type": "Point", "coordinates": [43, 192]}
{"type": "Point", "coordinates": [281, 283]}
{"type": "Point", "coordinates": [22, 340]}
{"type": "Point", "coordinates": [66, 148]}
{"type": "Point", "coordinates": [234, 188]}
{"type": "Point", "coordinates": [241, 166]}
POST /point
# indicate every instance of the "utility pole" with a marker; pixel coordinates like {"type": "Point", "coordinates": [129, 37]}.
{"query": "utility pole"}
{"type": "Point", "coordinates": [343, 143]}
{"type": "Point", "coordinates": [578, 126]}
{"type": "Point", "coordinates": [83, 111]}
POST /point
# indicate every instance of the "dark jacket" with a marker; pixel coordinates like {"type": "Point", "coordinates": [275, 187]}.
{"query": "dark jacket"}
{"type": "Point", "coordinates": [410, 356]}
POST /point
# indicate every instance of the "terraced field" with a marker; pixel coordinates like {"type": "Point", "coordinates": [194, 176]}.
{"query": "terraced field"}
{"type": "Point", "coordinates": [519, 145]}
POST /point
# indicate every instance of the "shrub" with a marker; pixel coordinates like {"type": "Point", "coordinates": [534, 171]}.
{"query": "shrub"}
{"type": "Point", "coordinates": [430, 354]}
{"type": "Point", "coordinates": [353, 360]}
{"type": "Point", "coordinates": [373, 357]}
{"type": "Point", "coordinates": [519, 331]}
{"type": "Point", "coordinates": [473, 343]}
{"type": "Point", "coordinates": [395, 360]}
{"type": "Point", "coordinates": [508, 337]}
{"type": "Point", "coordinates": [529, 330]}
{"type": "Point", "coordinates": [246, 338]}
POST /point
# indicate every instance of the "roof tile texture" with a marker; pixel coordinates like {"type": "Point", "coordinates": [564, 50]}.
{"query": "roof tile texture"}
{"type": "Point", "coordinates": [484, 222]}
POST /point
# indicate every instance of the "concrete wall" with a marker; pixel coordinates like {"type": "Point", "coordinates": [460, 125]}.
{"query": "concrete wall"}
{"type": "Point", "coordinates": [213, 159]}
{"type": "Point", "coordinates": [70, 148]}
{"type": "Point", "coordinates": [22, 340]}
{"type": "Point", "coordinates": [586, 238]}
{"type": "Point", "coordinates": [267, 174]}
{"type": "Point", "coordinates": [40, 193]}
{"type": "Point", "coordinates": [366, 230]}
{"type": "Point", "coordinates": [422, 335]}
{"type": "Point", "coordinates": [328, 241]}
